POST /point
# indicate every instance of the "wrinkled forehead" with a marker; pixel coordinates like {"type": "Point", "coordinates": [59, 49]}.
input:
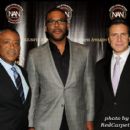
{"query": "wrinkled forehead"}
{"type": "Point", "coordinates": [119, 27]}
{"type": "Point", "coordinates": [8, 34]}
{"type": "Point", "coordinates": [6, 31]}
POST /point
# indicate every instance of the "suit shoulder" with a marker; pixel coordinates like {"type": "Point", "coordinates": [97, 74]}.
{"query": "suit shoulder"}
{"type": "Point", "coordinates": [22, 68]}
{"type": "Point", "coordinates": [38, 49]}
{"type": "Point", "coordinates": [78, 44]}
{"type": "Point", "coordinates": [101, 63]}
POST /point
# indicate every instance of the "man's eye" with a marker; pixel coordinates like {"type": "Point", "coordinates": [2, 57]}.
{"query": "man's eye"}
{"type": "Point", "coordinates": [124, 34]}
{"type": "Point", "coordinates": [6, 42]}
{"type": "Point", "coordinates": [59, 21]}
{"type": "Point", "coordinates": [11, 42]}
{"type": "Point", "coordinates": [50, 21]}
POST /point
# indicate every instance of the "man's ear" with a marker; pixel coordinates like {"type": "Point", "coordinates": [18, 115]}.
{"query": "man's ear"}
{"type": "Point", "coordinates": [108, 40]}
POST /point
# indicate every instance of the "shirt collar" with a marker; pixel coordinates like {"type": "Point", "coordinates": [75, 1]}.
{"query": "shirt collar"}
{"type": "Point", "coordinates": [54, 48]}
{"type": "Point", "coordinates": [123, 55]}
{"type": "Point", "coordinates": [6, 65]}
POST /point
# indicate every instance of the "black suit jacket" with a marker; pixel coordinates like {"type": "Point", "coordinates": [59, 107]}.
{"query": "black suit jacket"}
{"type": "Point", "coordinates": [107, 106]}
{"type": "Point", "coordinates": [13, 114]}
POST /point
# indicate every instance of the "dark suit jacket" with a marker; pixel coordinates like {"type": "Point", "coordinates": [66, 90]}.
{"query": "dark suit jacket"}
{"type": "Point", "coordinates": [13, 114]}
{"type": "Point", "coordinates": [108, 106]}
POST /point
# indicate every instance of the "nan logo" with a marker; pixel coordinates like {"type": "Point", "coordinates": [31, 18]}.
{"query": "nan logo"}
{"type": "Point", "coordinates": [118, 11]}
{"type": "Point", "coordinates": [68, 11]}
{"type": "Point", "coordinates": [14, 13]}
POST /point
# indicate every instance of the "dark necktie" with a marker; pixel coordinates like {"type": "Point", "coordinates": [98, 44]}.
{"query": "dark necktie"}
{"type": "Point", "coordinates": [18, 84]}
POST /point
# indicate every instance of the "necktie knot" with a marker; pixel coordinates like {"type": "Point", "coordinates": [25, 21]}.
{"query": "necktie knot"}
{"type": "Point", "coordinates": [118, 59]}
{"type": "Point", "coordinates": [15, 72]}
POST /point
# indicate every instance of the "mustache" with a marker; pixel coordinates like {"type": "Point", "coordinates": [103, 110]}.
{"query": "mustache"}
{"type": "Point", "coordinates": [13, 52]}
{"type": "Point", "coordinates": [57, 30]}
{"type": "Point", "coordinates": [48, 35]}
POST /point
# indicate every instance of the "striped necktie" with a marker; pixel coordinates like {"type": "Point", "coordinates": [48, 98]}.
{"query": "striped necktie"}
{"type": "Point", "coordinates": [18, 84]}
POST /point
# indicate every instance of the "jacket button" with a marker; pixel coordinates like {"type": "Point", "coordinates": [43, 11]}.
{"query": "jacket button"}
{"type": "Point", "coordinates": [115, 103]}
{"type": "Point", "coordinates": [62, 105]}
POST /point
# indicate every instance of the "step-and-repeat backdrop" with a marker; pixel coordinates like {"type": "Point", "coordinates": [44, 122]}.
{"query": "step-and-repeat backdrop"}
{"type": "Point", "coordinates": [88, 22]}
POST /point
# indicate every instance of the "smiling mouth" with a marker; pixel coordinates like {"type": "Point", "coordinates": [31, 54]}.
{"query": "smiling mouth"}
{"type": "Point", "coordinates": [119, 45]}
{"type": "Point", "coordinates": [57, 31]}
{"type": "Point", "coordinates": [12, 53]}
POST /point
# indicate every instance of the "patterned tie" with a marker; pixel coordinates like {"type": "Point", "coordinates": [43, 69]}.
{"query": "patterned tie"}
{"type": "Point", "coordinates": [18, 84]}
{"type": "Point", "coordinates": [116, 74]}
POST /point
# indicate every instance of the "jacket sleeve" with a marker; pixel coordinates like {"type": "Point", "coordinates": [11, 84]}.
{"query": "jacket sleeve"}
{"type": "Point", "coordinates": [89, 88]}
{"type": "Point", "coordinates": [33, 80]}
{"type": "Point", "coordinates": [98, 93]}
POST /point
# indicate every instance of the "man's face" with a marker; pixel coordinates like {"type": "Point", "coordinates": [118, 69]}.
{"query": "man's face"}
{"type": "Point", "coordinates": [9, 46]}
{"type": "Point", "coordinates": [56, 26]}
{"type": "Point", "coordinates": [119, 38]}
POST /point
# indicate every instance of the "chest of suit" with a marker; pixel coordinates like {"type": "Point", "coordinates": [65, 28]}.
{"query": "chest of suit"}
{"type": "Point", "coordinates": [119, 102]}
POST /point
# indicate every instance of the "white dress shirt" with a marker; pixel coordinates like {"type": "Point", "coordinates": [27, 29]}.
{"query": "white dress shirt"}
{"type": "Point", "coordinates": [123, 59]}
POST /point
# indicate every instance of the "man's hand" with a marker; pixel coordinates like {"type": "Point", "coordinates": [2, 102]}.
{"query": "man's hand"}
{"type": "Point", "coordinates": [89, 125]}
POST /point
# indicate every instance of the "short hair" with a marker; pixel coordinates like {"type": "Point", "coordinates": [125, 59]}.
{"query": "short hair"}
{"type": "Point", "coordinates": [117, 21]}
{"type": "Point", "coordinates": [10, 29]}
{"type": "Point", "coordinates": [55, 9]}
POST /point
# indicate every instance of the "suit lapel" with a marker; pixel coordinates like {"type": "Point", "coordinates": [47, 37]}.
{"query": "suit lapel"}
{"type": "Point", "coordinates": [73, 52]}
{"type": "Point", "coordinates": [52, 65]}
{"type": "Point", "coordinates": [70, 64]}
{"type": "Point", "coordinates": [74, 55]}
{"type": "Point", "coordinates": [124, 75]}
{"type": "Point", "coordinates": [107, 73]}
{"type": "Point", "coordinates": [8, 81]}
{"type": "Point", "coordinates": [26, 79]}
